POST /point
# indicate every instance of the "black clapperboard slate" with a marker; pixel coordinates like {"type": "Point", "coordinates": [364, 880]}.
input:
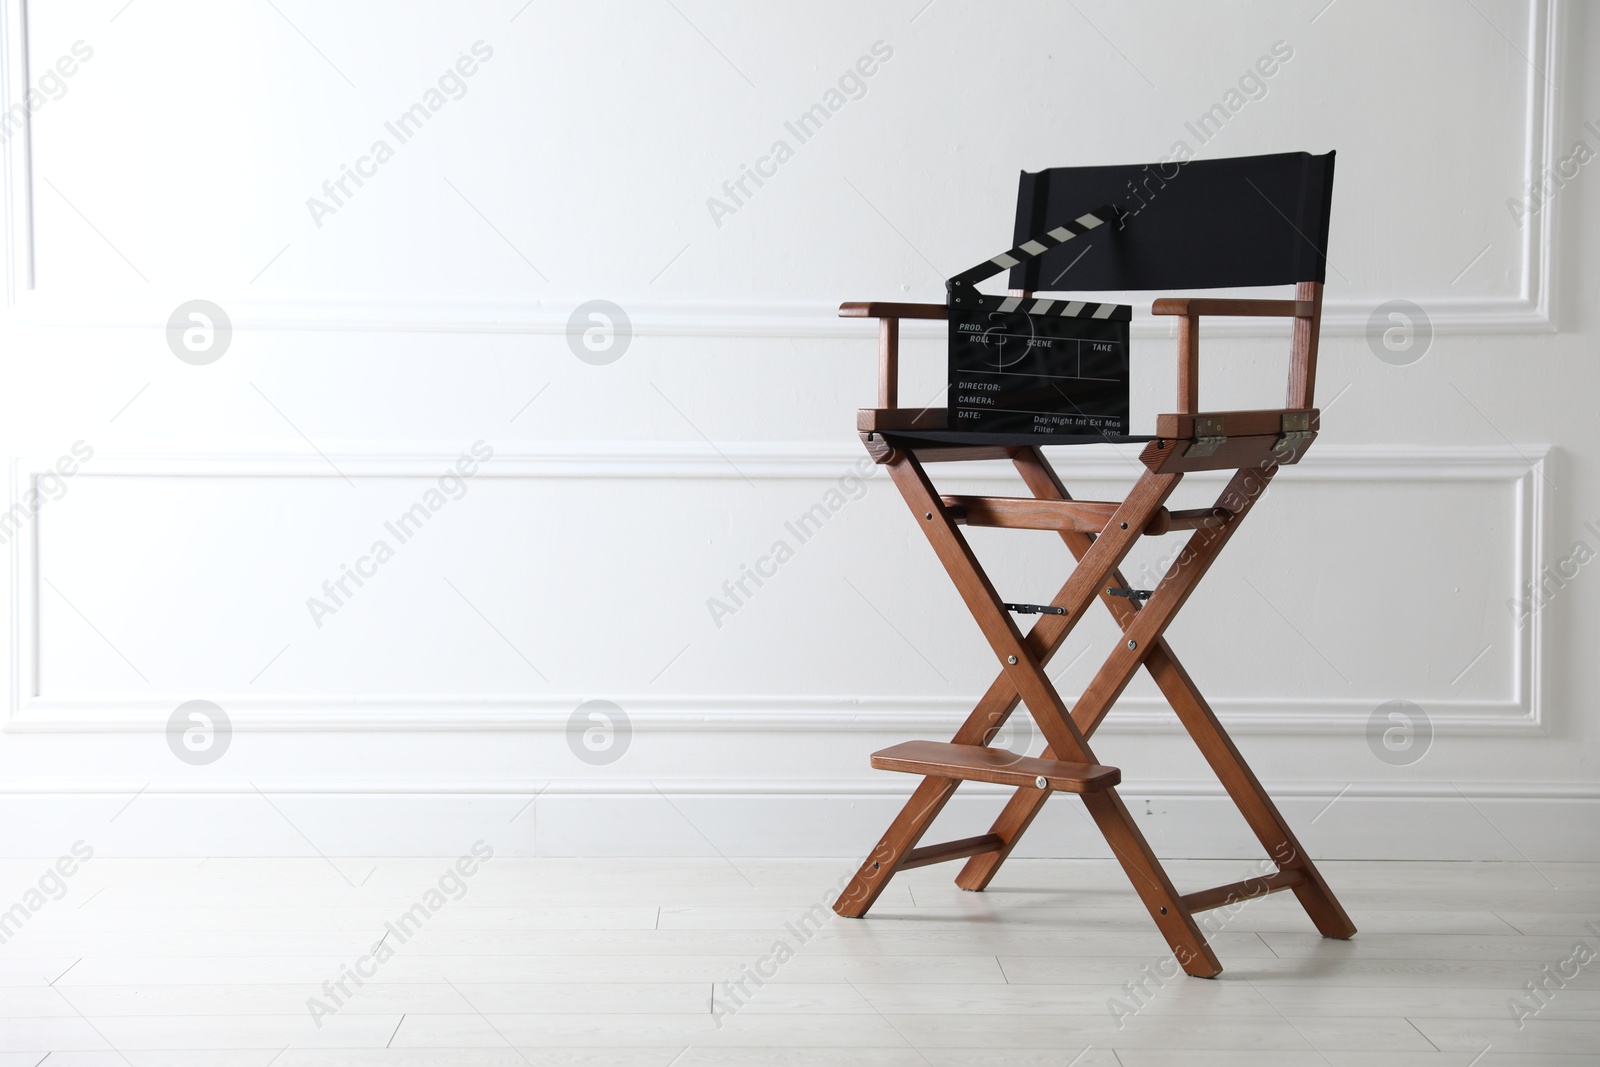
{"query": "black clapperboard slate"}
{"type": "Point", "coordinates": [1035, 365]}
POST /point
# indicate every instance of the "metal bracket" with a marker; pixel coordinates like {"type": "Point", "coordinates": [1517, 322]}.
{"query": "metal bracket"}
{"type": "Point", "coordinates": [1131, 594]}
{"type": "Point", "coordinates": [1035, 609]}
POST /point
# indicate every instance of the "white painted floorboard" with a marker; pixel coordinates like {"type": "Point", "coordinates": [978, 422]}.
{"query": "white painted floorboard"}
{"type": "Point", "coordinates": [617, 962]}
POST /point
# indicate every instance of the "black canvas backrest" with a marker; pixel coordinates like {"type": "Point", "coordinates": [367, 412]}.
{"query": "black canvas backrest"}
{"type": "Point", "coordinates": [1206, 224]}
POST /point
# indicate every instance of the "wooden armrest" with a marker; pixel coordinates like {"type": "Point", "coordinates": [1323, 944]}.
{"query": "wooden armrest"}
{"type": "Point", "coordinates": [1189, 306]}
{"type": "Point", "coordinates": [878, 309]}
{"type": "Point", "coordinates": [878, 420]}
{"type": "Point", "coordinates": [889, 316]}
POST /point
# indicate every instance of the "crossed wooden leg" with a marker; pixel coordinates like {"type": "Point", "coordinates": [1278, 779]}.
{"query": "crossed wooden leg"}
{"type": "Point", "coordinates": [1023, 678]}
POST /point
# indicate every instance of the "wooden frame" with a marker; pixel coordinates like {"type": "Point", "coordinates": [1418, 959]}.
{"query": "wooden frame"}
{"type": "Point", "coordinates": [1099, 534]}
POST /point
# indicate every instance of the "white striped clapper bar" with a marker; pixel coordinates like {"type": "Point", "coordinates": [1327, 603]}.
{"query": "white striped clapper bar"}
{"type": "Point", "coordinates": [963, 292]}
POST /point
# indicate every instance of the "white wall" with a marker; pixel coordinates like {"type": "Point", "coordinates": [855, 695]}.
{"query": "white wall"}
{"type": "Point", "coordinates": [375, 343]}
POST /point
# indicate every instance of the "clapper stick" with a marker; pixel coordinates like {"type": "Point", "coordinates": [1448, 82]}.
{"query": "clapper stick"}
{"type": "Point", "coordinates": [962, 290]}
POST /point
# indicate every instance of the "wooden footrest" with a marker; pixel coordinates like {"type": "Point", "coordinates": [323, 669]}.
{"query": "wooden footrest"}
{"type": "Point", "coordinates": [979, 764]}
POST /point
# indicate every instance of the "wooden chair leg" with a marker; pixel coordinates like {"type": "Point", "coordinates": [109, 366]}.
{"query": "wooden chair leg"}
{"type": "Point", "coordinates": [931, 795]}
{"type": "Point", "coordinates": [1142, 629]}
{"type": "Point", "coordinates": [1161, 898]}
{"type": "Point", "coordinates": [1180, 691]}
{"type": "Point", "coordinates": [980, 727]}
{"type": "Point", "coordinates": [1252, 801]}
{"type": "Point", "coordinates": [1026, 674]}
{"type": "Point", "coordinates": [927, 801]}
{"type": "Point", "coordinates": [1020, 810]}
{"type": "Point", "coordinates": [1257, 808]}
{"type": "Point", "coordinates": [1022, 677]}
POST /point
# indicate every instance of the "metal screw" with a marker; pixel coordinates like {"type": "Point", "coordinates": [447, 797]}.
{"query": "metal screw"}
{"type": "Point", "coordinates": [1011, 659]}
{"type": "Point", "coordinates": [1163, 911]}
{"type": "Point", "coordinates": [874, 865]}
{"type": "Point", "coordinates": [929, 515]}
{"type": "Point", "coordinates": [1133, 644]}
{"type": "Point", "coordinates": [1040, 782]}
{"type": "Point", "coordinates": [1124, 526]}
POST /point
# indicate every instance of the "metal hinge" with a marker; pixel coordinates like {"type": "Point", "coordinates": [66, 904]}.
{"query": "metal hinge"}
{"type": "Point", "coordinates": [1296, 432]}
{"type": "Point", "coordinates": [1290, 443]}
{"type": "Point", "coordinates": [1208, 437]}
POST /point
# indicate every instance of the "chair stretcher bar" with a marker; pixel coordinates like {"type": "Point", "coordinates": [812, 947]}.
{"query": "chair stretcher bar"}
{"type": "Point", "coordinates": [1069, 516]}
{"type": "Point", "coordinates": [951, 850]}
{"type": "Point", "coordinates": [1249, 889]}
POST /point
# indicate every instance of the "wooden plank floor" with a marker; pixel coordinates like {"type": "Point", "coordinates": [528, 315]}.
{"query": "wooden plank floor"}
{"type": "Point", "coordinates": [697, 962]}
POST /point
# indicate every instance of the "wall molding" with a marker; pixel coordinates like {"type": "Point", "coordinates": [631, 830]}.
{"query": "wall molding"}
{"type": "Point", "coordinates": [1528, 310]}
{"type": "Point", "coordinates": [880, 786]}
{"type": "Point", "coordinates": [775, 460]}
{"type": "Point", "coordinates": [1517, 822]}
{"type": "Point", "coordinates": [796, 320]}
{"type": "Point", "coordinates": [16, 166]}
{"type": "Point", "coordinates": [726, 714]}
{"type": "Point", "coordinates": [1518, 712]}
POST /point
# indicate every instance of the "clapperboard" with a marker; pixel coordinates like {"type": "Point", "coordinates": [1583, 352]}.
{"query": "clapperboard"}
{"type": "Point", "coordinates": [1025, 365]}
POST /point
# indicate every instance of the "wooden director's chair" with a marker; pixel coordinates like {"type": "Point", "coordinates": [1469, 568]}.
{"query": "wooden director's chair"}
{"type": "Point", "coordinates": [1213, 224]}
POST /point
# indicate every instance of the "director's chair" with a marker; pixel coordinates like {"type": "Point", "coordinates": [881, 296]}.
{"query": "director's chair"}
{"type": "Point", "coordinates": [1226, 223]}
